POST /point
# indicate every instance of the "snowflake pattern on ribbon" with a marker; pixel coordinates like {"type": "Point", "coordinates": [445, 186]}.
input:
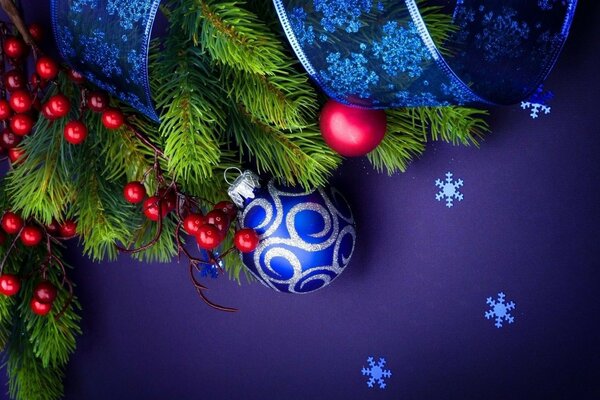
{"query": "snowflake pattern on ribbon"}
{"type": "Point", "coordinates": [380, 54]}
{"type": "Point", "coordinates": [500, 310]}
{"type": "Point", "coordinates": [449, 190]}
{"type": "Point", "coordinates": [108, 41]}
{"type": "Point", "coordinates": [376, 373]}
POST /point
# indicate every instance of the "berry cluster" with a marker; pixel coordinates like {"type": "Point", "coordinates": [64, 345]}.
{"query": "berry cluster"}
{"type": "Point", "coordinates": [44, 293]}
{"type": "Point", "coordinates": [31, 234]}
{"type": "Point", "coordinates": [20, 104]}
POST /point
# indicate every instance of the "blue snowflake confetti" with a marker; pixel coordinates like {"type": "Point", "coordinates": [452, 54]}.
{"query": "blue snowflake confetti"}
{"type": "Point", "coordinates": [376, 372]}
{"type": "Point", "coordinates": [500, 310]}
{"type": "Point", "coordinates": [449, 190]}
{"type": "Point", "coordinates": [538, 102]}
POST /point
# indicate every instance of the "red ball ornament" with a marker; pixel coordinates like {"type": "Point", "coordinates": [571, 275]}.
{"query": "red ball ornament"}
{"type": "Point", "coordinates": [228, 208]}
{"type": "Point", "coordinates": [151, 208]}
{"type": "Point", "coordinates": [36, 31]}
{"type": "Point", "coordinates": [59, 105]}
{"type": "Point", "coordinates": [192, 223]}
{"type": "Point", "coordinates": [134, 192]}
{"type": "Point", "coordinates": [31, 236]}
{"type": "Point", "coordinates": [11, 223]}
{"type": "Point", "coordinates": [67, 229]}
{"type": "Point", "coordinates": [246, 240]}
{"type": "Point", "coordinates": [16, 154]}
{"type": "Point", "coordinates": [8, 139]}
{"type": "Point", "coordinates": [9, 284]}
{"type": "Point", "coordinates": [113, 118]}
{"type": "Point", "coordinates": [40, 308]}
{"type": "Point", "coordinates": [46, 68]}
{"type": "Point", "coordinates": [20, 101]}
{"type": "Point", "coordinates": [75, 132]}
{"type": "Point", "coordinates": [44, 292]}
{"type": "Point", "coordinates": [208, 237]}
{"type": "Point", "coordinates": [97, 101]}
{"type": "Point", "coordinates": [21, 124]}
{"type": "Point", "coordinates": [350, 131]}
{"type": "Point", "coordinates": [219, 219]}
{"type": "Point", "coordinates": [14, 47]}
{"type": "Point", "coordinates": [14, 80]}
{"type": "Point", "coordinates": [5, 110]}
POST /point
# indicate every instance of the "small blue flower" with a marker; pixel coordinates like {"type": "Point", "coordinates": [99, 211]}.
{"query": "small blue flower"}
{"type": "Point", "coordinates": [343, 14]}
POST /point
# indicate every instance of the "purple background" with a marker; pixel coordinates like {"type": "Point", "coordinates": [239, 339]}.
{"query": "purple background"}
{"type": "Point", "coordinates": [415, 291]}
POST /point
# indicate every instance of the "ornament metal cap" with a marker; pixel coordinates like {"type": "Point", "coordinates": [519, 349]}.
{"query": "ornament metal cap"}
{"type": "Point", "coordinates": [243, 187]}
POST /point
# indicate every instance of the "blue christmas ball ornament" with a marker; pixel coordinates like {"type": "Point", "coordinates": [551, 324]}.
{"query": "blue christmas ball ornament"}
{"type": "Point", "coordinates": [306, 237]}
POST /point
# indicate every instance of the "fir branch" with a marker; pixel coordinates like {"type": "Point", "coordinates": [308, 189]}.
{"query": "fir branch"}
{"type": "Point", "coordinates": [189, 100]}
{"type": "Point", "coordinates": [285, 99]}
{"type": "Point", "coordinates": [453, 124]}
{"type": "Point", "coordinates": [403, 141]}
{"type": "Point", "coordinates": [234, 36]}
{"type": "Point", "coordinates": [300, 156]}
{"type": "Point", "coordinates": [39, 185]}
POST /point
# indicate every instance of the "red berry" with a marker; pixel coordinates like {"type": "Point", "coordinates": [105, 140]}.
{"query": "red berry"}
{"type": "Point", "coordinates": [36, 31]}
{"type": "Point", "coordinates": [14, 80]}
{"type": "Point", "coordinates": [97, 101]}
{"type": "Point", "coordinates": [76, 76]}
{"type": "Point", "coordinates": [14, 47]}
{"type": "Point", "coordinates": [59, 105]}
{"type": "Point", "coordinates": [46, 68]}
{"type": "Point", "coordinates": [168, 198]}
{"type": "Point", "coordinates": [36, 81]}
{"type": "Point", "coordinates": [246, 240]}
{"type": "Point", "coordinates": [151, 209]}
{"type": "Point", "coordinates": [208, 237]}
{"type": "Point", "coordinates": [75, 132]}
{"type": "Point", "coordinates": [11, 223]}
{"type": "Point", "coordinates": [40, 308]}
{"type": "Point", "coordinates": [67, 229]}
{"type": "Point", "coordinates": [219, 219]}
{"type": "Point", "coordinates": [9, 284]}
{"type": "Point", "coordinates": [44, 292]}
{"type": "Point", "coordinates": [16, 154]}
{"type": "Point", "coordinates": [192, 223]}
{"type": "Point", "coordinates": [8, 139]}
{"type": "Point", "coordinates": [228, 208]}
{"type": "Point", "coordinates": [47, 113]}
{"type": "Point", "coordinates": [31, 235]}
{"type": "Point", "coordinates": [53, 227]}
{"type": "Point", "coordinates": [134, 192]}
{"type": "Point", "coordinates": [5, 110]}
{"type": "Point", "coordinates": [113, 118]}
{"type": "Point", "coordinates": [21, 124]}
{"type": "Point", "coordinates": [20, 101]}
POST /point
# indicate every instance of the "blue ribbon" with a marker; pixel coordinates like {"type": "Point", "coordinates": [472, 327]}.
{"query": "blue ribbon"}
{"type": "Point", "coordinates": [380, 54]}
{"type": "Point", "coordinates": [108, 41]}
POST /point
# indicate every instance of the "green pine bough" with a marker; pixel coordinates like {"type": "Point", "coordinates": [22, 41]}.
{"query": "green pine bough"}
{"type": "Point", "coordinates": [230, 94]}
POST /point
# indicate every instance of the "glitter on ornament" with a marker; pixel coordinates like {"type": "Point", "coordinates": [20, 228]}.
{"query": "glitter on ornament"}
{"type": "Point", "coordinates": [449, 190]}
{"type": "Point", "coordinates": [500, 310]}
{"type": "Point", "coordinates": [376, 372]}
